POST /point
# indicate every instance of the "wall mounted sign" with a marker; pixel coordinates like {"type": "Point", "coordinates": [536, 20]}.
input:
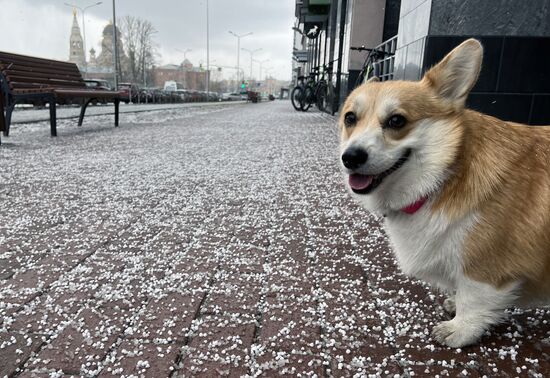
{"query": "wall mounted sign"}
{"type": "Point", "coordinates": [312, 29]}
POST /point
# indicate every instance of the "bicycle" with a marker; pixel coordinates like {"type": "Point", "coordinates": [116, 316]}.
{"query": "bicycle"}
{"type": "Point", "coordinates": [371, 66]}
{"type": "Point", "coordinates": [324, 91]}
{"type": "Point", "coordinates": [312, 91]}
{"type": "Point", "coordinates": [304, 94]}
{"type": "Point", "coordinates": [297, 95]}
{"type": "Point", "coordinates": [319, 92]}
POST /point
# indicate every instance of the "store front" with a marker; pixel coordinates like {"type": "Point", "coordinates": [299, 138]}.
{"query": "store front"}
{"type": "Point", "coordinates": [325, 30]}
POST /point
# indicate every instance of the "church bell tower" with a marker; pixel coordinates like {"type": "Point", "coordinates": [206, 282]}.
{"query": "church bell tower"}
{"type": "Point", "coordinates": [76, 50]}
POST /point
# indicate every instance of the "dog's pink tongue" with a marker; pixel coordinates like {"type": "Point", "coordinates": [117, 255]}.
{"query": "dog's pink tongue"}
{"type": "Point", "coordinates": [359, 182]}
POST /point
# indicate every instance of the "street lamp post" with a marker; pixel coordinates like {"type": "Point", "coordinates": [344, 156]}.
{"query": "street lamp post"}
{"type": "Point", "coordinates": [184, 53]}
{"type": "Point", "coordinates": [207, 55]}
{"type": "Point", "coordinates": [83, 11]}
{"type": "Point", "coordinates": [145, 72]}
{"type": "Point", "coordinates": [261, 62]}
{"type": "Point", "coordinates": [239, 36]}
{"type": "Point", "coordinates": [251, 52]}
{"type": "Point", "coordinates": [268, 87]}
{"type": "Point", "coordinates": [115, 46]}
{"type": "Point", "coordinates": [240, 73]}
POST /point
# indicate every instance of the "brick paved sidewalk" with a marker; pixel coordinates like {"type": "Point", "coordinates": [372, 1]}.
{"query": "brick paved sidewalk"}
{"type": "Point", "coordinates": [216, 242]}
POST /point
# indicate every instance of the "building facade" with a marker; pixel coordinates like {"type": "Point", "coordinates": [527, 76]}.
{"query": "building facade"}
{"type": "Point", "coordinates": [101, 66]}
{"type": "Point", "coordinates": [515, 79]}
{"type": "Point", "coordinates": [186, 74]}
{"type": "Point", "coordinates": [514, 82]}
{"type": "Point", "coordinates": [341, 24]}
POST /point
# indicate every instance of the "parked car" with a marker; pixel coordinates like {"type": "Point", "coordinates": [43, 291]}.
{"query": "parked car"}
{"type": "Point", "coordinates": [172, 86]}
{"type": "Point", "coordinates": [170, 97]}
{"type": "Point", "coordinates": [102, 85]}
{"type": "Point", "coordinates": [184, 95]}
{"type": "Point", "coordinates": [163, 96]}
{"type": "Point", "coordinates": [149, 95]}
{"type": "Point", "coordinates": [202, 96]}
{"type": "Point", "coordinates": [254, 96]}
{"type": "Point", "coordinates": [153, 95]}
{"type": "Point", "coordinates": [98, 84]}
{"type": "Point", "coordinates": [213, 97]}
{"type": "Point", "coordinates": [231, 97]}
{"type": "Point", "coordinates": [129, 92]}
{"type": "Point", "coordinates": [194, 96]}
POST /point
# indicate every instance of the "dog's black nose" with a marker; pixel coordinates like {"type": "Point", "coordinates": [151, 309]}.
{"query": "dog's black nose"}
{"type": "Point", "coordinates": [354, 157]}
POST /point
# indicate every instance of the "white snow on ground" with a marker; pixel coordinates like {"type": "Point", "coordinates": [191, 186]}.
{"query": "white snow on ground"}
{"type": "Point", "coordinates": [28, 114]}
{"type": "Point", "coordinates": [217, 241]}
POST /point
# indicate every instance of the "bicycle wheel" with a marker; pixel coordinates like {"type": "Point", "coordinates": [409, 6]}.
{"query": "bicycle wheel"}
{"type": "Point", "coordinates": [309, 98]}
{"type": "Point", "coordinates": [297, 98]}
{"type": "Point", "coordinates": [322, 97]}
{"type": "Point", "coordinates": [330, 98]}
{"type": "Point", "coordinates": [370, 72]}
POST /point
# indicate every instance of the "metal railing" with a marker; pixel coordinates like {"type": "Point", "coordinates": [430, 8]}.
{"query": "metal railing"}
{"type": "Point", "coordinates": [386, 63]}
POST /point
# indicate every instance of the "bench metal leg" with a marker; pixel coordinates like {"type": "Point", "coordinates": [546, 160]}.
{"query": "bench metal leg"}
{"type": "Point", "coordinates": [53, 118]}
{"type": "Point", "coordinates": [117, 103]}
{"type": "Point", "coordinates": [83, 111]}
{"type": "Point", "coordinates": [2, 117]}
{"type": "Point", "coordinates": [9, 111]}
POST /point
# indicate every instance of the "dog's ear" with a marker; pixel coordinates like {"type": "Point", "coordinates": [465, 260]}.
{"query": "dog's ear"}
{"type": "Point", "coordinates": [457, 73]}
{"type": "Point", "coordinates": [373, 79]}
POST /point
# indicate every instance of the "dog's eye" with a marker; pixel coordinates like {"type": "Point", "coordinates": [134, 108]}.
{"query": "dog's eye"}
{"type": "Point", "coordinates": [396, 122]}
{"type": "Point", "coordinates": [350, 119]}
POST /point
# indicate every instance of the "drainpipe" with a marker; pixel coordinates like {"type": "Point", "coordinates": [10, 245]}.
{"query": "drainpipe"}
{"type": "Point", "coordinates": [343, 14]}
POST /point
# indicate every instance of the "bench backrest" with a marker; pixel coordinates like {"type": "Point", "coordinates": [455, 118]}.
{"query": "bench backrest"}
{"type": "Point", "coordinates": [26, 73]}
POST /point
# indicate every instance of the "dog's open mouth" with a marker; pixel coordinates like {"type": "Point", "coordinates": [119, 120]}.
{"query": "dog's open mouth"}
{"type": "Point", "coordinates": [364, 184]}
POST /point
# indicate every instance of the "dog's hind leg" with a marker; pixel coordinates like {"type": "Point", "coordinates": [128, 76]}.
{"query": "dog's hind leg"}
{"type": "Point", "coordinates": [478, 306]}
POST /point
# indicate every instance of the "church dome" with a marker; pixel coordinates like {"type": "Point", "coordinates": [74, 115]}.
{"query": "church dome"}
{"type": "Point", "coordinates": [108, 30]}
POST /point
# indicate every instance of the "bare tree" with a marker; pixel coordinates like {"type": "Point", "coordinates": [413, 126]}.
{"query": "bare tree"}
{"type": "Point", "coordinates": [140, 47]}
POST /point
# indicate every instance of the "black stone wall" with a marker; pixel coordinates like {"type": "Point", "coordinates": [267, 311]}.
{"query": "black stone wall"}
{"type": "Point", "coordinates": [491, 17]}
{"type": "Point", "coordinates": [391, 19]}
{"type": "Point", "coordinates": [514, 83]}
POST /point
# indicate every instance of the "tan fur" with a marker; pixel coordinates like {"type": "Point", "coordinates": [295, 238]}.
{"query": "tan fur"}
{"type": "Point", "coordinates": [502, 173]}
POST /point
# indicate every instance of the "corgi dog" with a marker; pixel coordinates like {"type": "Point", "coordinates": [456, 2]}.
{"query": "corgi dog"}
{"type": "Point", "coordinates": [466, 196]}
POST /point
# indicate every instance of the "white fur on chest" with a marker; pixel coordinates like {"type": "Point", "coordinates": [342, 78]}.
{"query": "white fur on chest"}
{"type": "Point", "coordinates": [428, 246]}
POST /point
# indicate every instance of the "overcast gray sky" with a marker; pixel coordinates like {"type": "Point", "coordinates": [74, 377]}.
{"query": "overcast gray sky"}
{"type": "Point", "coordinates": [42, 28]}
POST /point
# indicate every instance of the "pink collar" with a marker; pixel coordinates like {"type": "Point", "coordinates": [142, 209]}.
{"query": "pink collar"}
{"type": "Point", "coordinates": [414, 207]}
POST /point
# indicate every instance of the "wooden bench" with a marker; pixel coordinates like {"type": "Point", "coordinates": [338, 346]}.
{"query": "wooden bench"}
{"type": "Point", "coordinates": [30, 80]}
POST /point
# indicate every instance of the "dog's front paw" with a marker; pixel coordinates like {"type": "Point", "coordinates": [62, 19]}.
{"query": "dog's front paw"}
{"type": "Point", "coordinates": [449, 305]}
{"type": "Point", "coordinates": [455, 334]}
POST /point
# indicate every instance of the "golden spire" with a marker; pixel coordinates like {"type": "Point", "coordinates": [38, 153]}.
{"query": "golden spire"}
{"type": "Point", "coordinates": [74, 12]}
